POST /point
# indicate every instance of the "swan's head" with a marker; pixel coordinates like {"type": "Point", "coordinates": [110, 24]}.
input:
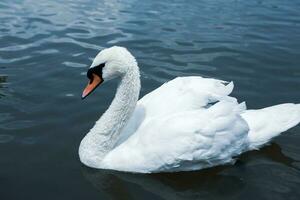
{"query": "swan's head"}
{"type": "Point", "coordinates": [108, 64]}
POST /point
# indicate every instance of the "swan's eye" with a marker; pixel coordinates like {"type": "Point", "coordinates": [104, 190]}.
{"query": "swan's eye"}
{"type": "Point", "coordinates": [96, 70]}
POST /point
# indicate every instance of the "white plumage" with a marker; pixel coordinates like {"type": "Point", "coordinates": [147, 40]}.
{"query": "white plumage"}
{"type": "Point", "coordinates": [188, 123]}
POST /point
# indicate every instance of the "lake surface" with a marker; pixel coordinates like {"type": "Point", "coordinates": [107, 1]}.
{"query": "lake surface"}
{"type": "Point", "coordinates": [46, 47]}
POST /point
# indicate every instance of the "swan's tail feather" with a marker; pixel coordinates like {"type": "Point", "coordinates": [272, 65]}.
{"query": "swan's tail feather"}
{"type": "Point", "coordinates": [269, 122]}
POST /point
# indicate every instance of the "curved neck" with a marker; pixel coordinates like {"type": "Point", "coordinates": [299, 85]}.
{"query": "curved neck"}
{"type": "Point", "coordinates": [103, 136]}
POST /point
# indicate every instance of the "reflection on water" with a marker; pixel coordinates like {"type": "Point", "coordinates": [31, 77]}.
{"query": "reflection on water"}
{"type": "Point", "coordinates": [222, 182]}
{"type": "Point", "coordinates": [186, 185]}
{"type": "Point", "coordinates": [46, 46]}
{"type": "Point", "coordinates": [3, 79]}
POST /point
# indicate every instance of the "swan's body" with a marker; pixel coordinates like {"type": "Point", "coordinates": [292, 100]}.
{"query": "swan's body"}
{"type": "Point", "coordinates": [188, 123]}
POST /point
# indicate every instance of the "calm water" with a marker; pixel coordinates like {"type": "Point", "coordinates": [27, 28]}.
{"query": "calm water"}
{"type": "Point", "coordinates": [46, 46]}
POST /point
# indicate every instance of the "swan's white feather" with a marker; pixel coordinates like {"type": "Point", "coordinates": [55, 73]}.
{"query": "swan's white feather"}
{"type": "Point", "coordinates": [178, 95]}
{"type": "Point", "coordinates": [184, 94]}
{"type": "Point", "coordinates": [179, 131]}
{"type": "Point", "coordinates": [269, 122]}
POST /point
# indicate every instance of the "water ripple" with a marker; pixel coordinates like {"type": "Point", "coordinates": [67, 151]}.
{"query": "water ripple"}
{"type": "Point", "coordinates": [6, 138]}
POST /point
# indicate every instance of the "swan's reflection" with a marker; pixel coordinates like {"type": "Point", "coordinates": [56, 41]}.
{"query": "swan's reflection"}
{"type": "Point", "coordinates": [214, 183]}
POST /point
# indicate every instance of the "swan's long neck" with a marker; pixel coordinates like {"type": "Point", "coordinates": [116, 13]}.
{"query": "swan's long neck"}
{"type": "Point", "coordinates": [103, 136]}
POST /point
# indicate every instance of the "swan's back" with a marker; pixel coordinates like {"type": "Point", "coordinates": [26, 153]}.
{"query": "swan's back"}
{"type": "Point", "coordinates": [184, 94]}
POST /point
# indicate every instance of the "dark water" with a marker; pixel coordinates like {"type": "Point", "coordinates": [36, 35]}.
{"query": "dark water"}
{"type": "Point", "coordinates": [46, 46]}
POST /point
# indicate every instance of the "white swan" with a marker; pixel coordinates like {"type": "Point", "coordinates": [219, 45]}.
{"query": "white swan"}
{"type": "Point", "coordinates": [188, 123]}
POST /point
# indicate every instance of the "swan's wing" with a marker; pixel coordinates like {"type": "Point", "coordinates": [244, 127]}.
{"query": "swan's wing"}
{"type": "Point", "coordinates": [183, 141]}
{"type": "Point", "coordinates": [183, 94]}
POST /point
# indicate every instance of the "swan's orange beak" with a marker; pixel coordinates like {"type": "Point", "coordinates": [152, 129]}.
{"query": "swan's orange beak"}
{"type": "Point", "coordinates": [92, 85]}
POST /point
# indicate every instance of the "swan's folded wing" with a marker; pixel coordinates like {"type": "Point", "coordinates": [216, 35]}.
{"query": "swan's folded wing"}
{"type": "Point", "coordinates": [181, 94]}
{"type": "Point", "coordinates": [184, 94]}
{"type": "Point", "coordinates": [185, 141]}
